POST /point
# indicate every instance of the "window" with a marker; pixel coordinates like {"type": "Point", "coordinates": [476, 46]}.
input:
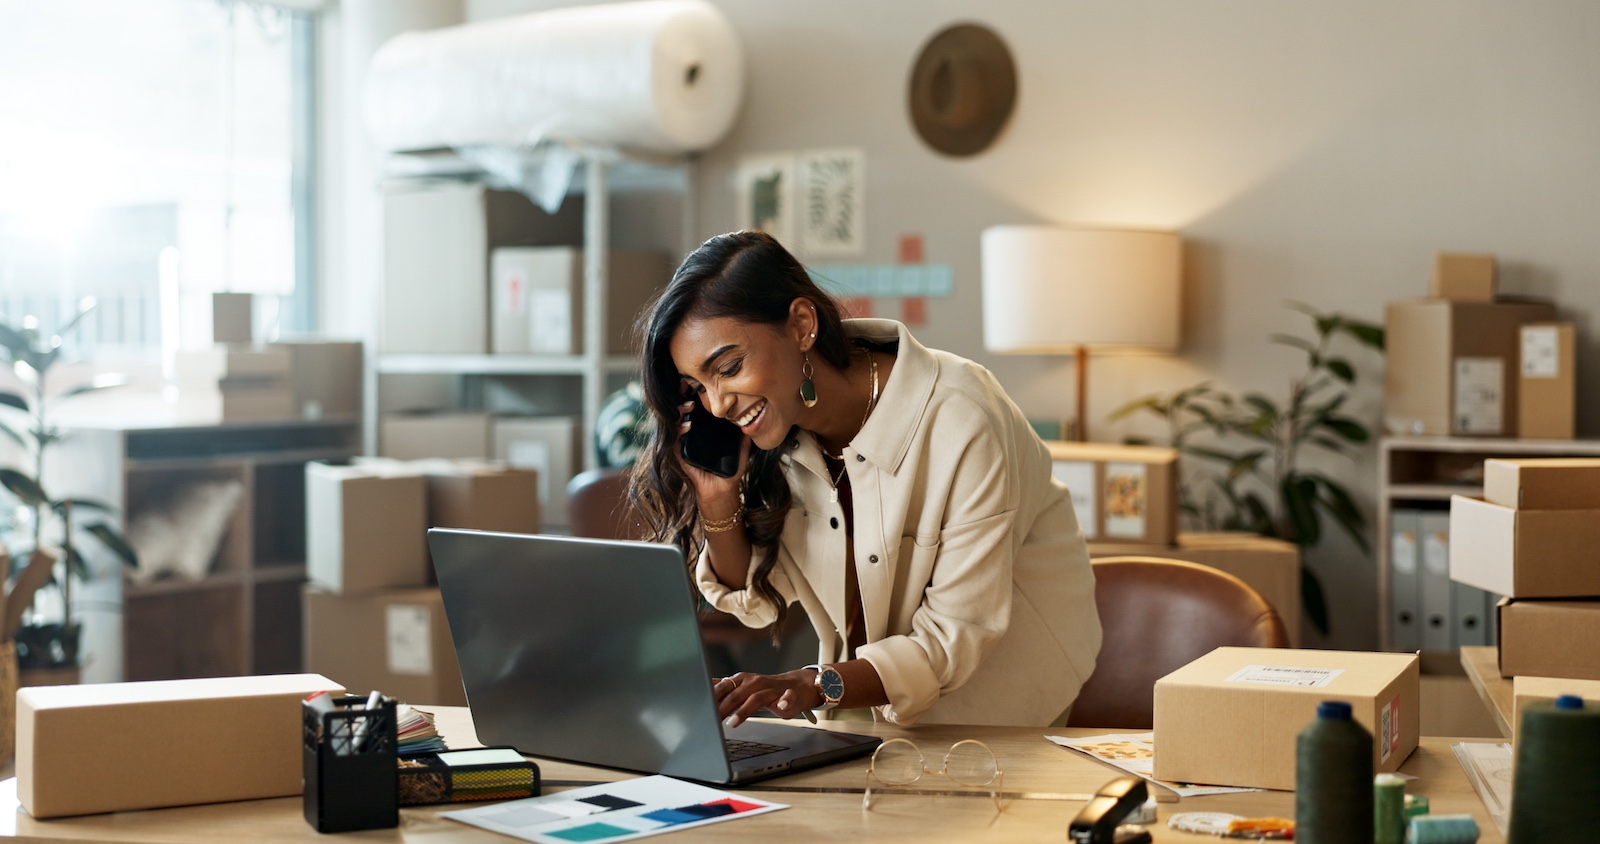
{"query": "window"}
{"type": "Point", "coordinates": [154, 151]}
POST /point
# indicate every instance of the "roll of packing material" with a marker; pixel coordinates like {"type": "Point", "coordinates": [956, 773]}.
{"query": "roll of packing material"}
{"type": "Point", "coordinates": [657, 75]}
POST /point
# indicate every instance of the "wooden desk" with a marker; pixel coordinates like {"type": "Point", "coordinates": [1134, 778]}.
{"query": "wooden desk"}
{"type": "Point", "coordinates": [1483, 669]}
{"type": "Point", "coordinates": [825, 803]}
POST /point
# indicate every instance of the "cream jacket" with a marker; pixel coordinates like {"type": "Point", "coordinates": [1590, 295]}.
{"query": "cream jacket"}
{"type": "Point", "coordinates": [975, 581]}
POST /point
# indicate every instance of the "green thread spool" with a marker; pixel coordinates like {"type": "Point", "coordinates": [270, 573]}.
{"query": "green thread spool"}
{"type": "Point", "coordinates": [1555, 789]}
{"type": "Point", "coordinates": [1443, 829]}
{"type": "Point", "coordinates": [1333, 779]}
{"type": "Point", "coordinates": [1388, 809]}
{"type": "Point", "coordinates": [1416, 804]}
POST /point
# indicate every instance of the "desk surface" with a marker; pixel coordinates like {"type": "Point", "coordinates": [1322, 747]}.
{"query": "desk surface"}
{"type": "Point", "coordinates": [826, 803]}
{"type": "Point", "coordinates": [1483, 669]}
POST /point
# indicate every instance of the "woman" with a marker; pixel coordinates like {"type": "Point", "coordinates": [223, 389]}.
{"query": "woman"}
{"type": "Point", "coordinates": [893, 491]}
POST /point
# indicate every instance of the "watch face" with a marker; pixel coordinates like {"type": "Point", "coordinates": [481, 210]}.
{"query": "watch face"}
{"type": "Point", "coordinates": [831, 683]}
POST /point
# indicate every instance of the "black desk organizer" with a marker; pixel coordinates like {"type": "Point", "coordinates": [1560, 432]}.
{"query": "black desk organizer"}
{"type": "Point", "coordinates": [350, 784]}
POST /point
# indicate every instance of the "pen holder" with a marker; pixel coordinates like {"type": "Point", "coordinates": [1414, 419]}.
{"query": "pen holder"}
{"type": "Point", "coordinates": [349, 765]}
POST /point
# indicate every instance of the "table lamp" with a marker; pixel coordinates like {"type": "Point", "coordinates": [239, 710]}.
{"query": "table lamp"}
{"type": "Point", "coordinates": [1059, 290]}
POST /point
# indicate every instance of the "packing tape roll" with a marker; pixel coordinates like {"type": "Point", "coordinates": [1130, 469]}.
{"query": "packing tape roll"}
{"type": "Point", "coordinates": [1443, 829]}
{"type": "Point", "coordinates": [657, 75]}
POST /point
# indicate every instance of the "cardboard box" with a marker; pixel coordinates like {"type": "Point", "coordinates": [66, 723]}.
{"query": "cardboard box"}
{"type": "Point", "coordinates": [232, 317]}
{"type": "Point", "coordinates": [1526, 690]}
{"type": "Point", "coordinates": [538, 299]}
{"type": "Point", "coordinates": [366, 527]}
{"type": "Point", "coordinates": [1463, 277]}
{"type": "Point", "coordinates": [1231, 716]}
{"type": "Point", "coordinates": [230, 363]}
{"type": "Point", "coordinates": [325, 376]}
{"type": "Point", "coordinates": [238, 402]}
{"type": "Point", "coordinates": [395, 641]}
{"type": "Point", "coordinates": [1543, 483]}
{"type": "Point", "coordinates": [1451, 366]}
{"type": "Point", "coordinates": [1524, 553]}
{"type": "Point", "coordinates": [420, 436]}
{"type": "Point", "coordinates": [1547, 389]}
{"type": "Point", "coordinates": [1549, 638]}
{"type": "Point", "coordinates": [480, 495]}
{"type": "Point", "coordinates": [1271, 566]}
{"type": "Point", "coordinates": [1121, 492]}
{"type": "Point", "coordinates": [111, 747]}
{"type": "Point", "coordinates": [548, 445]}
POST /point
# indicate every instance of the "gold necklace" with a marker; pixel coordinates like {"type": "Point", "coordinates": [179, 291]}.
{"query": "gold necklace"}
{"type": "Point", "coordinates": [872, 402]}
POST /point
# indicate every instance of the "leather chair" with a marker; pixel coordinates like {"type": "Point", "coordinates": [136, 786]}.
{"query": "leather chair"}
{"type": "Point", "coordinates": [597, 505]}
{"type": "Point", "coordinates": [1157, 616]}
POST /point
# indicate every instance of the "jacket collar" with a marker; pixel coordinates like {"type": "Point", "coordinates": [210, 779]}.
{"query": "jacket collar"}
{"type": "Point", "coordinates": [886, 438]}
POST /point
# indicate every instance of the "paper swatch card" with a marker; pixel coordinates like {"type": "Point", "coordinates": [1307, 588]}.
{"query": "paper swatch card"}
{"type": "Point", "coordinates": [617, 811]}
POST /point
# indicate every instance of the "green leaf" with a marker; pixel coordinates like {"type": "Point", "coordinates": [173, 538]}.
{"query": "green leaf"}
{"type": "Point", "coordinates": [15, 342]}
{"type": "Point", "coordinates": [1365, 333]}
{"type": "Point", "coordinates": [11, 433]}
{"type": "Point", "coordinates": [85, 305]}
{"type": "Point", "coordinates": [1342, 506]}
{"type": "Point", "coordinates": [83, 504]}
{"type": "Point", "coordinates": [76, 566]}
{"type": "Point", "coordinates": [1313, 600]}
{"type": "Point", "coordinates": [15, 400]}
{"type": "Point", "coordinates": [1299, 505]}
{"type": "Point", "coordinates": [115, 542]}
{"type": "Point", "coordinates": [1297, 342]}
{"type": "Point", "coordinates": [24, 488]}
{"type": "Point", "coordinates": [1348, 428]}
{"type": "Point", "coordinates": [1153, 404]}
{"type": "Point", "coordinates": [1341, 369]}
{"type": "Point", "coordinates": [1262, 404]}
{"type": "Point", "coordinates": [100, 382]}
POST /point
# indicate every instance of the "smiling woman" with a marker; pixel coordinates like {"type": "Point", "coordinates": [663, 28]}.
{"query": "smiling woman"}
{"type": "Point", "coordinates": [893, 491]}
{"type": "Point", "coordinates": [149, 158]}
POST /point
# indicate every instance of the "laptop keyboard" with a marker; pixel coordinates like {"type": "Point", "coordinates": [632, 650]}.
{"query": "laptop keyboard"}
{"type": "Point", "coordinates": [745, 749]}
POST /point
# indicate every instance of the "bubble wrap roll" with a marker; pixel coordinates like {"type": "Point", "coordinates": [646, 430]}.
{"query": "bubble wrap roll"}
{"type": "Point", "coordinates": [657, 75]}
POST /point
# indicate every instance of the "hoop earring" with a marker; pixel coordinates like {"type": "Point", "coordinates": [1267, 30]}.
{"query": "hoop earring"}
{"type": "Point", "coordinates": [808, 390]}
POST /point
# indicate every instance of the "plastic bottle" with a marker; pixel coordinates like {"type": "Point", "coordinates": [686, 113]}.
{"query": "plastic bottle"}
{"type": "Point", "coordinates": [1333, 779]}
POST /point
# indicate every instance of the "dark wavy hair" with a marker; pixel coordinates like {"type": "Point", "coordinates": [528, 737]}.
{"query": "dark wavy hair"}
{"type": "Point", "coordinates": [750, 277]}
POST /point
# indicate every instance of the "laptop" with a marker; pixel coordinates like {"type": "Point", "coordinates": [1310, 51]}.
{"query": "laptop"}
{"type": "Point", "coordinates": [589, 650]}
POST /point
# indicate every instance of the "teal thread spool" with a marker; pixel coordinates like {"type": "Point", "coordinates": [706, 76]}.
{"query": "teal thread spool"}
{"type": "Point", "coordinates": [1443, 829]}
{"type": "Point", "coordinates": [1555, 790]}
{"type": "Point", "coordinates": [1333, 779]}
{"type": "Point", "coordinates": [1388, 809]}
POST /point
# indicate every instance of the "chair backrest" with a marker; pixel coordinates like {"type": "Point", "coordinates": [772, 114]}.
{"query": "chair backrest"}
{"type": "Point", "coordinates": [1157, 616]}
{"type": "Point", "coordinates": [597, 505]}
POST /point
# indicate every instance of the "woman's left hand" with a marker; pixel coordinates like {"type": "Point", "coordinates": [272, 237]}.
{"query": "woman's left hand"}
{"type": "Point", "coordinates": [791, 694]}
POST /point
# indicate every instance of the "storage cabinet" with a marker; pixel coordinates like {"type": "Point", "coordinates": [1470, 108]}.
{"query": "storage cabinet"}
{"type": "Point", "coordinates": [1416, 477]}
{"type": "Point", "coordinates": [243, 615]}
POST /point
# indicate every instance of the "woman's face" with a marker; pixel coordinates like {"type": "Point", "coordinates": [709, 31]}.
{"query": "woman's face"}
{"type": "Point", "coordinates": [747, 373]}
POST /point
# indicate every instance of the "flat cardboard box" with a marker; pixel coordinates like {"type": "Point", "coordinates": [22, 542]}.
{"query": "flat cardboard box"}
{"type": "Point", "coordinates": [394, 640]}
{"type": "Point", "coordinates": [548, 445]}
{"type": "Point", "coordinates": [1271, 566]}
{"type": "Point", "coordinates": [1452, 366]}
{"type": "Point", "coordinates": [326, 377]}
{"type": "Point", "coordinates": [1231, 717]}
{"type": "Point", "coordinates": [1548, 385]}
{"type": "Point", "coordinates": [1463, 277]}
{"type": "Point", "coordinates": [1526, 690]}
{"type": "Point", "coordinates": [537, 305]}
{"type": "Point", "coordinates": [1543, 483]}
{"type": "Point", "coordinates": [1124, 493]}
{"type": "Point", "coordinates": [421, 436]}
{"type": "Point", "coordinates": [1524, 553]}
{"type": "Point", "coordinates": [112, 747]}
{"type": "Point", "coordinates": [366, 527]}
{"type": "Point", "coordinates": [1549, 638]}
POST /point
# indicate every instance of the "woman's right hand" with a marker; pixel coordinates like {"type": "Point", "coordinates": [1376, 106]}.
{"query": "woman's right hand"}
{"type": "Point", "coordinates": [709, 487]}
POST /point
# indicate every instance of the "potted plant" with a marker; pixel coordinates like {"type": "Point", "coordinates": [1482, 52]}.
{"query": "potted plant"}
{"type": "Point", "coordinates": [40, 548]}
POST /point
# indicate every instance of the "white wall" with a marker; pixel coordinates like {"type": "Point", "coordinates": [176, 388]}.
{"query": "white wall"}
{"type": "Point", "coordinates": [1318, 151]}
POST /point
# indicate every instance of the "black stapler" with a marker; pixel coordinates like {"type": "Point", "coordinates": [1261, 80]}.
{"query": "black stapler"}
{"type": "Point", "coordinates": [1098, 822]}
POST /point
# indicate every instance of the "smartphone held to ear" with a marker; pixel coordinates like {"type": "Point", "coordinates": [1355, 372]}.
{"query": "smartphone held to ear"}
{"type": "Point", "coordinates": [711, 443]}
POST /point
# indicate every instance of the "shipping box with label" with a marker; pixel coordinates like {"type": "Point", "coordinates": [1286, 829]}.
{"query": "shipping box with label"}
{"type": "Point", "coordinates": [1548, 386]}
{"type": "Point", "coordinates": [420, 436]}
{"type": "Point", "coordinates": [1231, 716]}
{"type": "Point", "coordinates": [365, 527]}
{"type": "Point", "coordinates": [325, 376]}
{"type": "Point", "coordinates": [1549, 638]}
{"type": "Point", "coordinates": [1452, 366]}
{"type": "Point", "coordinates": [1120, 493]}
{"type": "Point", "coordinates": [538, 298]}
{"type": "Point", "coordinates": [112, 747]}
{"type": "Point", "coordinates": [1523, 553]}
{"type": "Point", "coordinates": [395, 641]}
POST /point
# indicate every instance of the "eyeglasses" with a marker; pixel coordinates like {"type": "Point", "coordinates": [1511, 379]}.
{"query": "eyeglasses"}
{"type": "Point", "coordinates": [899, 762]}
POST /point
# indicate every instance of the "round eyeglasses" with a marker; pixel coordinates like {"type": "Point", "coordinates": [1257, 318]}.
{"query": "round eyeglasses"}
{"type": "Point", "coordinates": [900, 762]}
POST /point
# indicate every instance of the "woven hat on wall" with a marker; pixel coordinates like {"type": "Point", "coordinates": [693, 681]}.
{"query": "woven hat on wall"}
{"type": "Point", "coordinates": [963, 87]}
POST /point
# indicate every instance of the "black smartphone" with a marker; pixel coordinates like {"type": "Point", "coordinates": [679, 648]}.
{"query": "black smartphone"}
{"type": "Point", "coordinates": [711, 443]}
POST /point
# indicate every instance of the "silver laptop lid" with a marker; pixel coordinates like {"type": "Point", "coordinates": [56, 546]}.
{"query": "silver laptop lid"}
{"type": "Point", "coordinates": [581, 649]}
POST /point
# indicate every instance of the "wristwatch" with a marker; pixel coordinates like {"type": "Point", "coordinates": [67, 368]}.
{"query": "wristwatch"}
{"type": "Point", "coordinates": [830, 684]}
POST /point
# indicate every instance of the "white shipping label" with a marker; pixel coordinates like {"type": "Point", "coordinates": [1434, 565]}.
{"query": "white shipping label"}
{"type": "Point", "coordinates": [1285, 675]}
{"type": "Point", "coordinates": [1078, 475]}
{"type": "Point", "coordinates": [409, 631]}
{"type": "Point", "coordinates": [1127, 499]}
{"type": "Point", "coordinates": [550, 322]}
{"type": "Point", "coordinates": [1479, 396]}
{"type": "Point", "coordinates": [1389, 729]}
{"type": "Point", "coordinates": [1541, 346]}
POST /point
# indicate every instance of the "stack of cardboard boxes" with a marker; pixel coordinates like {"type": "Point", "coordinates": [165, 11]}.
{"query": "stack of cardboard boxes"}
{"type": "Point", "coordinates": [1532, 539]}
{"type": "Point", "coordinates": [373, 619]}
{"type": "Point", "coordinates": [546, 445]}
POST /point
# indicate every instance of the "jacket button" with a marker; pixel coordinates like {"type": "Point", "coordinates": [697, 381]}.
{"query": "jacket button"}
{"type": "Point", "coordinates": [834, 523]}
{"type": "Point", "coordinates": [873, 558]}
{"type": "Point", "coordinates": [861, 458]}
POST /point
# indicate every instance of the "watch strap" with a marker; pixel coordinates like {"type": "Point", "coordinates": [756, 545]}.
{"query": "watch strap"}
{"type": "Point", "coordinates": [826, 703]}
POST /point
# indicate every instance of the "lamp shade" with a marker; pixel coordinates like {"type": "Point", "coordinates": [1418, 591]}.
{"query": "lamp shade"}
{"type": "Point", "coordinates": [1051, 290]}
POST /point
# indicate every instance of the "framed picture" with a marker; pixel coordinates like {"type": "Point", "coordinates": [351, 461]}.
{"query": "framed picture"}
{"type": "Point", "coordinates": [833, 204]}
{"type": "Point", "coordinates": [767, 192]}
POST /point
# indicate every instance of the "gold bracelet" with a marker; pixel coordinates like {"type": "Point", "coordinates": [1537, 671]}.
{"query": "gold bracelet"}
{"type": "Point", "coordinates": [723, 525]}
